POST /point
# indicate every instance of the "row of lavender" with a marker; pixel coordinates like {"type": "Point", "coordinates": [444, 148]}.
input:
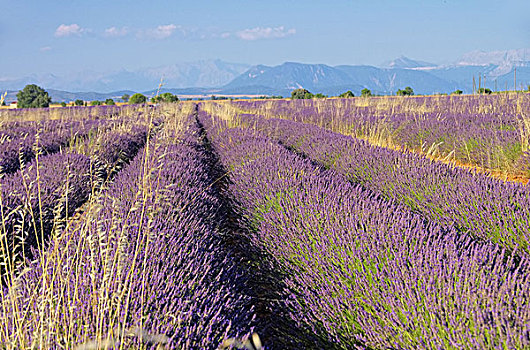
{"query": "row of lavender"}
{"type": "Point", "coordinates": [363, 271]}
{"type": "Point", "coordinates": [19, 145]}
{"type": "Point", "coordinates": [39, 197]}
{"type": "Point", "coordinates": [13, 117]}
{"type": "Point", "coordinates": [20, 141]}
{"type": "Point", "coordinates": [492, 132]}
{"type": "Point", "coordinates": [141, 267]}
{"type": "Point", "coordinates": [476, 204]}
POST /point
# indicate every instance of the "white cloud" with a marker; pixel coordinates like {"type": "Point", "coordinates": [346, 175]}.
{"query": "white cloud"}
{"type": "Point", "coordinates": [45, 49]}
{"type": "Point", "coordinates": [265, 33]}
{"type": "Point", "coordinates": [69, 29]}
{"type": "Point", "coordinates": [114, 32]}
{"type": "Point", "coordinates": [160, 32]}
{"type": "Point", "coordinates": [209, 33]}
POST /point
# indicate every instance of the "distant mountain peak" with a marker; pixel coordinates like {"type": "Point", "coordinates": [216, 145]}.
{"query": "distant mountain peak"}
{"type": "Point", "coordinates": [290, 75]}
{"type": "Point", "coordinates": [407, 63]}
{"type": "Point", "coordinates": [255, 71]}
{"type": "Point", "coordinates": [498, 58]}
{"type": "Point", "coordinates": [219, 77]}
{"type": "Point", "coordinates": [202, 73]}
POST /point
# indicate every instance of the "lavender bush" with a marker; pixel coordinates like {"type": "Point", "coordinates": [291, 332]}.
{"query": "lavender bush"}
{"type": "Point", "coordinates": [174, 227]}
{"type": "Point", "coordinates": [52, 187]}
{"type": "Point", "coordinates": [141, 267]}
{"type": "Point", "coordinates": [19, 146]}
{"type": "Point", "coordinates": [363, 271]}
{"type": "Point", "coordinates": [491, 132]}
{"type": "Point", "coordinates": [474, 203]}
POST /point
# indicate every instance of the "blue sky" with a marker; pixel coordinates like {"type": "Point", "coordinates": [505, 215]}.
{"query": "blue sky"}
{"type": "Point", "coordinates": [64, 36]}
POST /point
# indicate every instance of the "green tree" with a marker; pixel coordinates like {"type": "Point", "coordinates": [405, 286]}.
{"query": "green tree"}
{"type": "Point", "coordinates": [109, 102]}
{"type": "Point", "coordinates": [33, 96]}
{"type": "Point", "coordinates": [137, 99]}
{"type": "Point", "coordinates": [347, 94]}
{"type": "Point", "coordinates": [125, 97]}
{"type": "Point", "coordinates": [405, 92]}
{"type": "Point", "coordinates": [63, 104]}
{"type": "Point", "coordinates": [95, 103]}
{"type": "Point", "coordinates": [300, 94]}
{"type": "Point", "coordinates": [366, 92]}
{"type": "Point", "coordinates": [169, 97]}
{"type": "Point", "coordinates": [484, 91]}
{"type": "Point", "coordinates": [79, 102]}
{"type": "Point", "coordinates": [457, 92]}
{"type": "Point", "coordinates": [319, 95]}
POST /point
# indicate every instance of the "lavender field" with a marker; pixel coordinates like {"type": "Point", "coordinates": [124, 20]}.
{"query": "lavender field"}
{"type": "Point", "coordinates": [362, 223]}
{"type": "Point", "coordinates": [490, 133]}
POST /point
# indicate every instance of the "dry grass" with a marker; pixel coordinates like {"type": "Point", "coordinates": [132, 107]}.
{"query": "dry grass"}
{"type": "Point", "coordinates": [382, 133]}
{"type": "Point", "coordinates": [66, 113]}
{"type": "Point", "coordinates": [42, 312]}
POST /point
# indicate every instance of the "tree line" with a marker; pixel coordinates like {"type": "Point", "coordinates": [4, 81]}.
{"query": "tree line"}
{"type": "Point", "coordinates": [298, 94]}
{"type": "Point", "coordinates": [33, 96]}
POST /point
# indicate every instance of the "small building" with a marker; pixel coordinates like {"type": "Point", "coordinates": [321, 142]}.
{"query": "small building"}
{"type": "Point", "coordinates": [13, 105]}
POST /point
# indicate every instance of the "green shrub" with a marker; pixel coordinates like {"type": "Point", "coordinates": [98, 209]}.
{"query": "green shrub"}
{"type": "Point", "coordinates": [347, 94]}
{"type": "Point", "coordinates": [366, 92]}
{"type": "Point", "coordinates": [33, 96]}
{"type": "Point", "coordinates": [137, 99]}
{"type": "Point", "coordinates": [484, 91]}
{"type": "Point", "coordinates": [405, 92]}
{"type": "Point", "coordinates": [167, 97]}
{"type": "Point", "coordinates": [301, 94]}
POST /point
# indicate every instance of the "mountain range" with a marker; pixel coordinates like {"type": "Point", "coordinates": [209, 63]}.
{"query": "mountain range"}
{"type": "Point", "coordinates": [216, 77]}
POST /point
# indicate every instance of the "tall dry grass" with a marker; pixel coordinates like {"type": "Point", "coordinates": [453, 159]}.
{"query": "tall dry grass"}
{"type": "Point", "coordinates": [39, 299]}
{"type": "Point", "coordinates": [500, 158]}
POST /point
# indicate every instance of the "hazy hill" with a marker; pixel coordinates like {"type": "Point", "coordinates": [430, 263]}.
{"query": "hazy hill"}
{"type": "Point", "coordinates": [216, 77]}
{"type": "Point", "coordinates": [405, 62]}
{"type": "Point", "coordinates": [389, 80]}
{"type": "Point", "coordinates": [207, 73]}
{"type": "Point", "coordinates": [333, 80]}
{"type": "Point", "coordinates": [291, 75]}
